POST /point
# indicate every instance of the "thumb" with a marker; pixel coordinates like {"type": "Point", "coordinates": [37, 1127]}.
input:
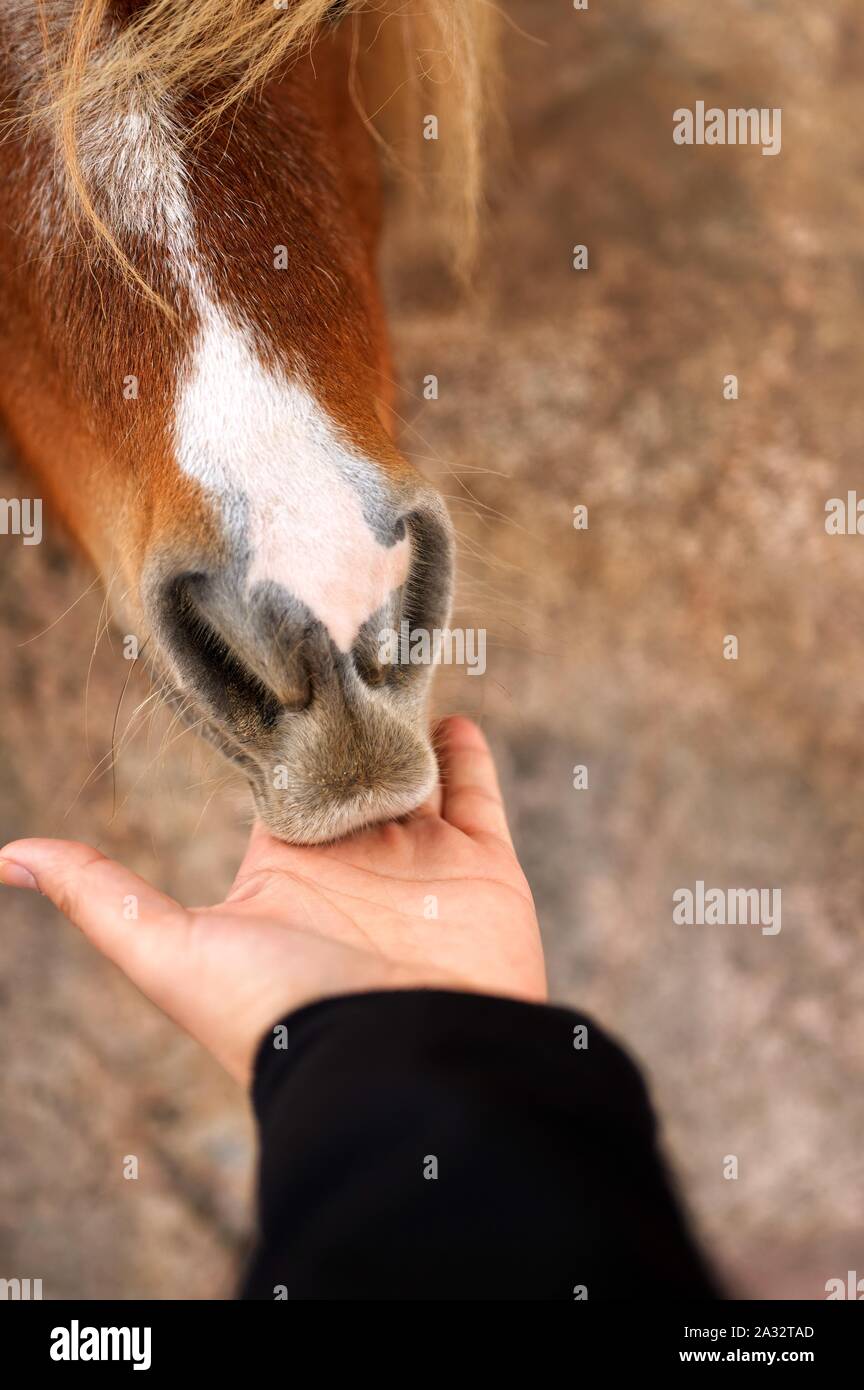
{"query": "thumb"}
{"type": "Point", "coordinates": [113, 907]}
{"type": "Point", "coordinates": [471, 794]}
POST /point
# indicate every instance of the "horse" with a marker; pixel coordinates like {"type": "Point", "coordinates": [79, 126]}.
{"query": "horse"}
{"type": "Point", "coordinates": [194, 360]}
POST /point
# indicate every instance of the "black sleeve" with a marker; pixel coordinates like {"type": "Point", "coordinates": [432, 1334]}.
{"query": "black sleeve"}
{"type": "Point", "coordinates": [436, 1145]}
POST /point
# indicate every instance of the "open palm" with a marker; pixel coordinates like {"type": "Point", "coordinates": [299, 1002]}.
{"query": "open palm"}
{"type": "Point", "coordinates": [437, 901]}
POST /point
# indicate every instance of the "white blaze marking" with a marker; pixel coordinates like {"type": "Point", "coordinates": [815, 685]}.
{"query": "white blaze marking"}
{"type": "Point", "coordinates": [133, 160]}
{"type": "Point", "coordinates": [241, 428]}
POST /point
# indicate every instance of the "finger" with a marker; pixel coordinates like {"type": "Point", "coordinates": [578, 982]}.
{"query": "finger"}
{"type": "Point", "coordinates": [265, 858]}
{"type": "Point", "coordinates": [260, 842]}
{"type": "Point", "coordinates": [433, 803]}
{"type": "Point", "coordinates": [113, 907]}
{"type": "Point", "coordinates": [471, 795]}
{"type": "Point", "coordinates": [431, 807]}
{"type": "Point", "coordinates": [262, 852]}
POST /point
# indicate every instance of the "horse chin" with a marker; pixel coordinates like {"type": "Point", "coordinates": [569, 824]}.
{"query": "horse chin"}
{"type": "Point", "coordinates": [315, 819]}
{"type": "Point", "coordinates": [330, 785]}
{"type": "Point", "coordinates": [317, 776]}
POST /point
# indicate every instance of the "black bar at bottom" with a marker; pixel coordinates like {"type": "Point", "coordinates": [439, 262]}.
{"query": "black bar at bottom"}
{"type": "Point", "coordinates": [258, 1340]}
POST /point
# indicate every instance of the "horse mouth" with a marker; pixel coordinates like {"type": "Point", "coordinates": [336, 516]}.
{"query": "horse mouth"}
{"type": "Point", "coordinates": [331, 735]}
{"type": "Point", "coordinates": [353, 757]}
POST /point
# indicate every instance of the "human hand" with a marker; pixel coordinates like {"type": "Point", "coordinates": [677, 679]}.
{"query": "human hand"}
{"type": "Point", "coordinates": [437, 901]}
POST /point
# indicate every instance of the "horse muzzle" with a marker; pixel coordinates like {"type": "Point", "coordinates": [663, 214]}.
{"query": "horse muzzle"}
{"type": "Point", "coordinates": [328, 726]}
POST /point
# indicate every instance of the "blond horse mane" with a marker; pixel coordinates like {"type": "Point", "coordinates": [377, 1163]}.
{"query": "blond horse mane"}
{"type": "Point", "coordinates": [403, 51]}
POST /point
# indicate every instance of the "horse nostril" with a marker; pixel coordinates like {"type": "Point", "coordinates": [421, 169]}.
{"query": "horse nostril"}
{"type": "Point", "coordinates": [249, 653]}
{"type": "Point", "coordinates": [368, 661]}
{"type": "Point", "coordinates": [241, 680]}
{"type": "Point", "coordinates": [421, 606]}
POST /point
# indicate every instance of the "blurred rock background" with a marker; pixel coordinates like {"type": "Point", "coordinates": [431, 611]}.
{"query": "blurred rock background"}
{"type": "Point", "coordinates": [706, 518]}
